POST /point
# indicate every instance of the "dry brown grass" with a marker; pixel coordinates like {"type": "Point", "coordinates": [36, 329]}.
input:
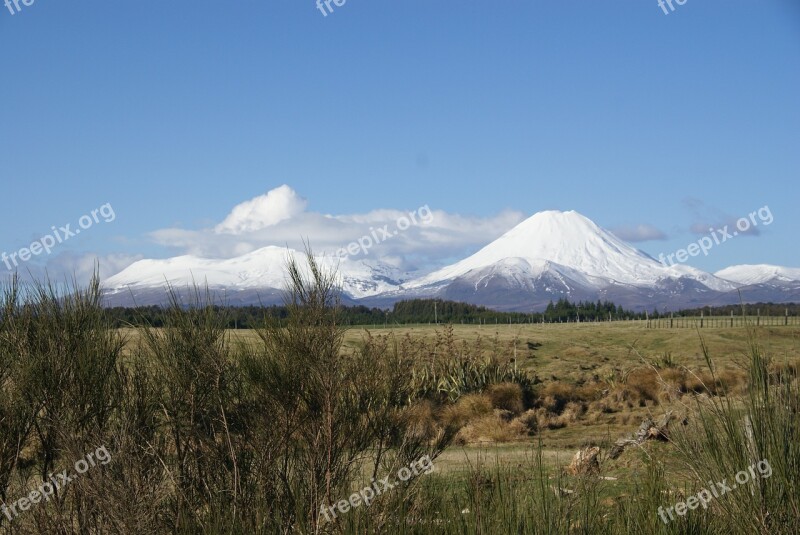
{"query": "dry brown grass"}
{"type": "Point", "coordinates": [612, 401]}
{"type": "Point", "coordinates": [733, 381]}
{"type": "Point", "coordinates": [490, 428]}
{"type": "Point", "coordinates": [420, 421]}
{"type": "Point", "coordinates": [527, 422]}
{"type": "Point", "coordinates": [555, 396]}
{"type": "Point", "coordinates": [466, 409]}
{"type": "Point", "coordinates": [584, 396]}
{"type": "Point", "coordinates": [506, 396]}
{"type": "Point", "coordinates": [644, 384]}
{"type": "Point", "coordinates": [562, 392]}
{"type": "Point", "coordinates": [572, 412]}
{"type": "Point", "coordinates": [783, 369]}
{"type": "Point", "coordinates": [494, 417]}
{"type": "Point", "coordinates": [548, 420]}
{"type": "Point", "coordinates": [674, 380]}
{"type": "Point", "coordinates": [700, 382]}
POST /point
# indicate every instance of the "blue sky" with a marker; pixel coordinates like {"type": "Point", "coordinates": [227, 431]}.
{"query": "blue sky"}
{"type": "Point", "coordinates": [176, 112]}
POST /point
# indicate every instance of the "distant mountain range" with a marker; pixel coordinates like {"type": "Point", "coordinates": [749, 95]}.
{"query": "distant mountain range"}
{"type": "Point", "coordinates": [550, 255]}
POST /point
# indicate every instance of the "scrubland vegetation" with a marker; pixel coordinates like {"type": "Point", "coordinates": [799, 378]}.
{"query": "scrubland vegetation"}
{"type": "Point", "coordinates": [213, 432]}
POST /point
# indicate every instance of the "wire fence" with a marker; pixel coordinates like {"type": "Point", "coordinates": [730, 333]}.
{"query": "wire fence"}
{"type": "Point", "coordinates": [675, 322]}
{"type": "Point", "coordinates": [721, 322]}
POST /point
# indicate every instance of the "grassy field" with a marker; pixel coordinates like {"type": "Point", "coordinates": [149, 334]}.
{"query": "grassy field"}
{"type": "Point", "coordinates": [567, 349]}
{"type": "Point", "coordinates": [580, 353]}
{"type": "Point", "coordinates": [576, 353]}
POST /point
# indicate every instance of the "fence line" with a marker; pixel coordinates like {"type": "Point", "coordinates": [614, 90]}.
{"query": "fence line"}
{"type": "Point", "coordinates": [676, 322]}
{"type": "Point", "coordinates": [722, 322]}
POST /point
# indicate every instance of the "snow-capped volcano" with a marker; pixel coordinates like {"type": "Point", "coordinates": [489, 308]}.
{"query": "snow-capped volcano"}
{"type": "Point", "coordinates": [574, 246]}
{"type": "Point", "coordinates": [556, 254]}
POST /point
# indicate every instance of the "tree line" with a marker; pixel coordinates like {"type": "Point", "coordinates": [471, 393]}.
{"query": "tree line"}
{"type": "Point", "coordinates": [750, 309]}
{"type": "Point", "coordinates": [402, 313]}
{"type": "Point", "coordinates": [440, 311]}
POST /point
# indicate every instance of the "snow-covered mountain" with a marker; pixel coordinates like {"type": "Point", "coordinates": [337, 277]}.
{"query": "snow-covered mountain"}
{"type": "Point", "coordinates": [550, 255]}
{"type": "Point", "coordinates": [760, 274]}
{"type": "Point", "coordinates": [564, 254]}
{"type": "Point", "coordinates": [574, 246]}
{"type": "Point", "coordinates": [765, 283]}
{"type": "Point", "coordinates": [258, 276]}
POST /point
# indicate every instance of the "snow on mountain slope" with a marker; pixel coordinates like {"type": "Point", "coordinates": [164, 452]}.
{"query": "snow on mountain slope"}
{"type": "Point", "coordinates": [570, 245]}
{"type": "Point", "coordinates": [759, 274]}
{"type": "Point", "coordinates": [263, 268]}
{"type": "Point", "coordinates": [550, 255]}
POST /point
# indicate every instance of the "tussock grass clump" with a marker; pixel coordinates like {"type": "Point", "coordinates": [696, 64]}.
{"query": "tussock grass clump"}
{"type": "Point", "coordinates": [420, 422]}
{"type": "Point", "coordinates": [527, 422]}
{"type": "Point", "coordinates": [507, 396]}
{"type": "Point", "coordinates": [466, 409]}
{"type": "Point", "coordinates": [780, 370]}
{"type": "Point", "coordinates": [492, 428]}
{"type": "Point", "coordinates": [560, 393]}
{"type": "Point", "coordinates": [644, 385]}
{"type": "Point", "coordinates": [701, 382]}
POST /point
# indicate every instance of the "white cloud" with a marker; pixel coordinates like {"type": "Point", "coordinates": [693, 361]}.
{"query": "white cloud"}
{"type": "Point", "coordinates": [263, 211]}
{"type": "Point", "coordinates": [279, 218]}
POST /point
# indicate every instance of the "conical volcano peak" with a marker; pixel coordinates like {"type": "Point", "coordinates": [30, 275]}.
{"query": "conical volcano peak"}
{"type": "Point", "coordinates": [567, 239]}
{"type": "Point", "coordinates": [555, 224]}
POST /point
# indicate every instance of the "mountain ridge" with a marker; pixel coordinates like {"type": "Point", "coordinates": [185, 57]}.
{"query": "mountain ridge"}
{"type": "Point", "coordinates": [549, 255]}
